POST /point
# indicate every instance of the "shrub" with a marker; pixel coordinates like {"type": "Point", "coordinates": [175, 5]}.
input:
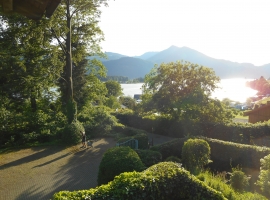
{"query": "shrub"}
{"type": "Point", "coordinates": [72, 133]}
{"type": "Point", "coordinates": [149, 157]}
{"type": "Point", "coordinates": [264, 177]}
{"type": "Point", "coordinates": [117, 160]}
{"type": "Point", "coordinates": [173, 159]}
{"type": "Point", "coordinates": [195, 154]}
{"type": "Point", "coordinates": [239, 181]}
{"type": "Point", "coordinates": [97, 121]}
{"type": "Point", "coordinates": [171, 148]}
{"type": "Point", "coordinates": [161, 181]}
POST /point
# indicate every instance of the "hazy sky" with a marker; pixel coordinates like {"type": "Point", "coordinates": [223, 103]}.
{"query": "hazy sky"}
{"type": "Point", "coordinates": [236, 30]}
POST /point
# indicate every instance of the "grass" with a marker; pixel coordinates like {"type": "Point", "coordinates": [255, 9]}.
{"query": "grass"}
{"type": "Point", "coordinates": [240, 116]}
{"type": "Point", "coordinates": [219, 183]}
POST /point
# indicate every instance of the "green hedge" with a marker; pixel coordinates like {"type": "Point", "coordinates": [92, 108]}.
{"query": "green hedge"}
{"type": "Point", "coordinates": [149, 157]}
{"type": "Point", "coordinates": [71, 134]}
{"type": "Point", "coordinates": [244, 133]}
{"type": "Point", "coordinates": [224, 155]}
{"type": "Point", "coordinates": [161, 181]}
{"type": "Point", "coordinates": [117, 160]}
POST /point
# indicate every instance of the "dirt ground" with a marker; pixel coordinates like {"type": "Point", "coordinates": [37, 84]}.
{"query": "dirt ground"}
{"type": "Point", "coordinates": [39, 172]}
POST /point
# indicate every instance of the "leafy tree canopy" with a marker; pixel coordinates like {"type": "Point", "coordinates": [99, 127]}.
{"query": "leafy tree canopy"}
{"type": "Point", "coordinates": [114, 88]}
{"type": "Point", "coordinates": [182, 90]}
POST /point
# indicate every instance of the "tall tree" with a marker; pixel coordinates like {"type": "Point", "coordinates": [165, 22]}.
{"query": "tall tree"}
{"type": "Point", "coordinates": [29, 64]}
{"type": "Point", "coordinates": [77, 32]}
{"type": "Point", "coordinates": [182, 90]}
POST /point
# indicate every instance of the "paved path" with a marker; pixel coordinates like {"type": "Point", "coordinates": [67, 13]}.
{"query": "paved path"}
{"type": "Point", "coordinates": [39, 172]}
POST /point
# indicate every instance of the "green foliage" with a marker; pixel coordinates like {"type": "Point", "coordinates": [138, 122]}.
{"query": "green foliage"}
{"type": "Point", "coordinates": [96, 120]}
{"type": "Point", "coordinates": [71, 111]}
{"type": "Point", "coordinates": [161, 181]}
{"type": "Point", "coordinates": [218, 182]}
{"type": "Point", "coordinates": [149, 157]}
{"type": "Point", "coordinates": [182, 90]}
{"type": "Point", "coordinates": [171, 148]}
{"type": "Point", "coordinates": [173, 159]}
{"type": "Point", "coordinates": [72, 133]}
{"type": "Point", "coordinates": [239, 181]}
{"type": "Point", "coordinates": [112, 102]}
{"type": "Point", "coordinates": [128, 101]}
{"type": "Point", "coordinates": [113, 88]}
{"type": "Point", "coordinates": [195, 154]}
{"type": "Point", "coordinates": [264, 177]}
{"type": "Point", "coordinates": [118, 160]}
{"type": "Point", "coordinates": [244, 133]}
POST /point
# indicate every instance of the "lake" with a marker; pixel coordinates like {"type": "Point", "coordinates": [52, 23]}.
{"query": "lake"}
{"type": "Point", "coordinates": [234, 89]}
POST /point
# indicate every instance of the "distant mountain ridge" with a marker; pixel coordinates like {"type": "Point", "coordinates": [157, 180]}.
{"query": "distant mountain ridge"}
{"type": "Point", "coordinates": [139, 66]}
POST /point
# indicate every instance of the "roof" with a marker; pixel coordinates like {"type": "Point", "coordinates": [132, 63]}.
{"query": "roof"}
{"type": "Point", "coordinates": [33, 9]}
{"type": "Point", "coordinates": [255, 110]}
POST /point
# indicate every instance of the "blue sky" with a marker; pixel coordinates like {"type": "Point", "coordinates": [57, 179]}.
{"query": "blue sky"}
{"type": "Point", "coordinates": [232, 30]}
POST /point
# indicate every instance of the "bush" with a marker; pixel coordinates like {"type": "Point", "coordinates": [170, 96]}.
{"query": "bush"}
{"type": "Point", "coordinates": [161, 181]}
{"type": "Point", "coordinates": [97, 121]}
{"type": "Point", "coordinates": [149, 157]}
{"type": "Point", "coordinates": [117, 160]}
{"type": "Point", "coordinates": [239, 181]}
{"type": "Point", "coordinates": [264, 177]}
{"type": "Point", "coordinates": [72, 133]}
{"type": "Point", "coordinates": [171, 148]}
{"type": "Point", "coordinates": [195, 154]}
{"type": "Point", "coordinates": [173, 159]}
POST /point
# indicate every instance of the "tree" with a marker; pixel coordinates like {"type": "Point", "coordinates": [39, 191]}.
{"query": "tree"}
{"type": "Point", "coordinates": [29, 64]}
{"type": "Point", "coordinates": [113, 88]}
{"type": "Point", "coordinates": [182, 90]}
{"type": "Point", "coordinates": [77, 32]}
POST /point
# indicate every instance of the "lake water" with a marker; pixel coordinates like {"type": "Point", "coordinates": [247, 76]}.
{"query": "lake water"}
{"type": "Point", "coordinates": [234, 89]}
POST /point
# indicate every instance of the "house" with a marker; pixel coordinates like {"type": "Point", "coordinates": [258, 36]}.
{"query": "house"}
{"type": "Point", "coordinates": [137, 96]}
{"type": "Point", "coordinates": [260, 113]}
{"type": "Point", "coordinates": [33, 9]}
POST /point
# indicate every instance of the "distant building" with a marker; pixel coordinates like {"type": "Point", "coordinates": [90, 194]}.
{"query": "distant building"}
{"type": "Point", "coordinates": [260, 113]}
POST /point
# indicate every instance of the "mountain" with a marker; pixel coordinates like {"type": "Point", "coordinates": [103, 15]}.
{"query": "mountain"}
{"type": "Point", "coordinates": [147, 55]}
{"type": "Point", "coordinates": [110, 56]}
{"type": "Point", "coordinates": [222, 68]}
{"type": "Point", "coordinates": [134, 67]}
{"type": "Point", "coordinates": [128, 66]}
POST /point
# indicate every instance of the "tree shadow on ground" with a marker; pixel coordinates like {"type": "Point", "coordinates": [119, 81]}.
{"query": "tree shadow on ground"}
{"type": "Point", "coordinates": [79, 173]}
{"type": "Point", "coordinates": [40, 153]}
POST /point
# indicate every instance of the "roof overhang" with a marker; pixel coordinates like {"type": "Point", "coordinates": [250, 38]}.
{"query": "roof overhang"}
{"type": "Point", "coordinates": [33, 9]}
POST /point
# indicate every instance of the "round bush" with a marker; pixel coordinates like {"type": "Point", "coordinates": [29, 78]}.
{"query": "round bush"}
{"type": "Point", "coordinates": [117, 160]}
{"type": "Point", "coordinates": [239, 181]}
{"type": "Point", "coordinates": [72, 133]}
{"type": "Point", "coordinates": [195, 154]}
{"type": "Point", "coordinates": [149, 157]}
{"type": "Point", "coordinates": [264, 177]}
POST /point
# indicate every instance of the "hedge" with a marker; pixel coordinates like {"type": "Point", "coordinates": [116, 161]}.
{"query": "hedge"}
{"type": "Point", "coordinates": [117, 160]}
{"type": "Point", "coordinates": [224, 155]}
{"type": "Point", "coordinates": [244, 133]}
{"type": "Point", "coordinates": [149, 157]}
{"type": "Point", "coordinates": [161, 181]}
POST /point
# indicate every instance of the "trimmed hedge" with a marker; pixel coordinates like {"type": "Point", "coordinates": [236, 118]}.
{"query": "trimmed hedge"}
{"type": "Point", "coordinates": [161, 181]}
{"type": "Point", "coordinates": [224, 155]}
{"type": "Point", "coordinates": [149, 157]}
{"type": "Point", "coordinates": [244, 133]}
{"type": "Point", "coordinates": [117, 160]}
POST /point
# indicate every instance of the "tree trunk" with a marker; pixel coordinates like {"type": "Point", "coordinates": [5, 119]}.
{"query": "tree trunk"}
{"type": "Point", "coordinates": [71, 105]}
